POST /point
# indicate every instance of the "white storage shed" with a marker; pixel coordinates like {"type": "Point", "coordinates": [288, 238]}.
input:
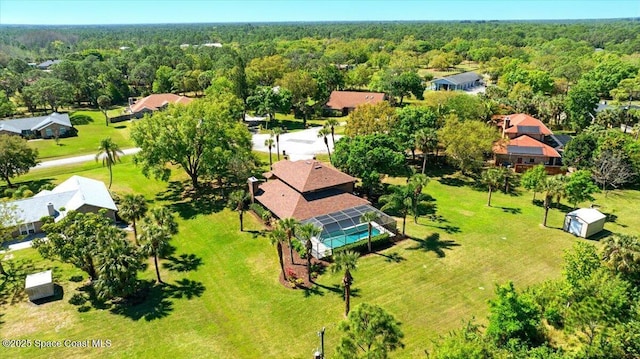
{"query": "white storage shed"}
{"type": "Point", "coordinates": [584, 222]}
{"type": "Point", "coordinates": [39, 285]}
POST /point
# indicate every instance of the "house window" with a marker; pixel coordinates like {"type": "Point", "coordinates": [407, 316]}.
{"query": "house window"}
{"type": "Point", "coordinates": [28, 228]}
{"type": "Point", "coordinates": [48, 132]}
{"type": "Point", "coordinates": [63, 131]}
{"type": "Point", "coordinates": [531, 160]}
{"type": "Point", "coordinates": [519, 160]}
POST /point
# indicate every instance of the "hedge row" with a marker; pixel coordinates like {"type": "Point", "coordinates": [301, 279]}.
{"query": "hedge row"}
{"type": "Point", "coordinates": [362, 246]}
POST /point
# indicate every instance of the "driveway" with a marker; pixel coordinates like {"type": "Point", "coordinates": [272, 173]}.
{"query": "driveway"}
{"type": "Point", "coordinates": [300, 145]}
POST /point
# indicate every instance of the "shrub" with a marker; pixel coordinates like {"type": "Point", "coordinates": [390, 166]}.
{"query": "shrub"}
{"type": "Point", "coordinates": [27, 193]}
{"type": "Point", "coordinates": [554, 317]}
{"type": "Point", "coordinates": [362, 246]}
{"type": "Point", "coordinates": [262, 212]}
{"type": "Point", "coordinates": [77, 299]}
{"type": "Point", "coordinates": [9, 192]}
{"type": "Point", "coordinates": [299, 247]}
{"type": "Point", "coordinates": [293, 279]}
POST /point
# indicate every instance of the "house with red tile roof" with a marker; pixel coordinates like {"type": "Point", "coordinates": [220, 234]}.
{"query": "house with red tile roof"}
{"type": "Point", "coordinates": [346, 101]}
{"type": "Point", "coordinates": [526, 143]}
{"type": "Point", "coordinates": [520, 124]}
{"type": "Point", "coordinates": [313, 192]}
{"type": "Point", "coordinates": [155, 102]}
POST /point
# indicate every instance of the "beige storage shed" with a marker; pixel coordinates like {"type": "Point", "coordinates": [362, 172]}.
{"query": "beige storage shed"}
{"type": "Point", "coordinates": [39, 285]}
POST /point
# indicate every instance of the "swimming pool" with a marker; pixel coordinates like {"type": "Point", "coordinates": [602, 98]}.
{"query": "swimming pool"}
{"type": "Point", "coordinates": [348, 236]}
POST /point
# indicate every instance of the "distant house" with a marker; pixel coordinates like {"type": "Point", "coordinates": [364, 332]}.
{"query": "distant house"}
{"type": "Point", "coordinates": [463, 81]}
{"type": "Point", "coordinates": [47, 64]}
{"type": "Point", "coordinates": [584, 222]}
{"type": "Point", "coordinates": [50, 126]}
{"type": "Point", "coordinates": [346, 101]}
{"type": "Point", "coordinates": [312, 192]}
{"type": "Point", "coordinates": [527, 142]}
{"type": "Point", "coordinates": [75, 194]}
{"type": "Point", "coordinates": [154, 102]}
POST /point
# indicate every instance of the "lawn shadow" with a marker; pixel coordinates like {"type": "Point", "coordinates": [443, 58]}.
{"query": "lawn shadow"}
{"type": "Point", "coordinates": [392, 257]}
{"type": "Point", "coordinates": [183, 263]}
{"type": "Point", "coordinates": [150, 304]}
{"type": "Point", "coordinates": [600, 235]}
{"type": "Point", "coordinates": [433, 243]}
{"type": "Point", "coordinates": [120, 127]}
{"type": "Point", "coordinates": [612, 218]}
{"type": "Point", "coordinates": [185, 288]}
{"type": "Point", "coordinates": [12, 285]}
{"type": "Point", "coordinates": [453, 181]}
{"type": "Point", "coordinates": [58, 294]}
{"type": "Point", "coordinates": [34, 186]}
{"type": "Point", "coordinates": [189, 203]}
{"type": "Point", "coordinates": [512, 210]}
{"type": "Point", "coordinates": [313, 291]}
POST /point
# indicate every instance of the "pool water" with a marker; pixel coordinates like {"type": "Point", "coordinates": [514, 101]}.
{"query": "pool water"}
{"type": "Point", "coordinates": [351, 235]}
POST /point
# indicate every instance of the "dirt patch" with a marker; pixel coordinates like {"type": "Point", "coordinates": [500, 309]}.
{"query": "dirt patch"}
{"type": "Point", "coordinates": [298, 268]}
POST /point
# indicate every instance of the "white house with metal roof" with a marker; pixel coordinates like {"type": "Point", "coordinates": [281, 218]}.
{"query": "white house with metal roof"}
{"type": "Point", "coordinates": [50, 126]}
{"type": "Point", "coordinates": [78, 193]}
{"type": "Point", "coordinates": [463, 81]}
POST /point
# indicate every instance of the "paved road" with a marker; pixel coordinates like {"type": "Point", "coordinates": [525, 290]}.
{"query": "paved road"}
{"type": "Point", "coordinates": [300, 145]}
{"type": "Point", "coordinates": [79, 159]}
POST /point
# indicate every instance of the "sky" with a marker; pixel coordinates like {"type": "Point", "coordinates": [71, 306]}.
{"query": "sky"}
{"type": "Point", "coordinates": [81, 12]}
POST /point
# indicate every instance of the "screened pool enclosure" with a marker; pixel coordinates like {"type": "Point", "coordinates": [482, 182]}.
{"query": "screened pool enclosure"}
{"type": "Point", "coordinates": [345, 227]}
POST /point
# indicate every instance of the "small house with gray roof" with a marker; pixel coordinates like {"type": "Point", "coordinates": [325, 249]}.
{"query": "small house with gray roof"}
{"type": "Point", "coordinates": [463, 81]}
{"type": "Point", "coordinates": [78, 193]}
{"type": "Point", "coordinates": [50, 126]}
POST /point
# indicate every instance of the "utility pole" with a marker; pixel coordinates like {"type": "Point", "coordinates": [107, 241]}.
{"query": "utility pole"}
{"type": "Point", "coordinates": [319, 354]}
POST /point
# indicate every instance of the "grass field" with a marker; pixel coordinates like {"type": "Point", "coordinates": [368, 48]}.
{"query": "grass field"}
{"type": "Point", "coordinates": [224, 299]}
{"type": "Point", "coordinates": [91, 129]}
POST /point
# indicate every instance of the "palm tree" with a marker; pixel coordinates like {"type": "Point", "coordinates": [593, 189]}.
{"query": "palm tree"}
{"type": "Point", "coordinates": [110, 153]}
{"type": "Point", "coordinates": [347, 261]}
{"type": "Point", "coordinates": [305, 233]}
{"type": "Point", "coordinates": [276, 132]}
{"type": "Point", "coordinates": [237, 202]}
{"type": "Point", "coordinates": [277, 236]}
{"type": "Point", "coordinates": [553, 187]}
{"type": "Point", "coordinates": [132, 207]}
{"type": "Point", "coordinates": [621, 253]}
{"type": "Point", "coordinates": [492, 178]}
{"type": "Point", "coordinates": [398, 201]}
{"type": "Point", "coordinates": [368, 218]}
{"type": "Point", "coordinates": [155, 239]}
{"type": "Point", "coordinates": [417, 182]}
{"type": "Point", "coordinates": [332, 123]}
{"type": "Point", "coordinates": [426, 139]}
{"type": "Point", "coordinates": [324, 132]}
{"type": "Point", "coordinates": [164, 218]}
{"type": "Point", "coordinates": [289, 226]}
{"type": "Point", "coordinates": [269, 143]}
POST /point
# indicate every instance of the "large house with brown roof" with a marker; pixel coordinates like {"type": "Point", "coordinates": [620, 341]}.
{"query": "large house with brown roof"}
{"type": "Point", "coordinates": [312, 192]}
{"type": "Point", "coordinates": [155, 102]}
{"type": "Point", "coordinates": [525, 144]}
{"type": "Point", "coordinates": [346, 101]}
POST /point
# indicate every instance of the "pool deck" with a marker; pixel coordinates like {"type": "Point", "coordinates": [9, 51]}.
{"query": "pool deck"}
{"type": "Point", "coordinates": [320, 250]}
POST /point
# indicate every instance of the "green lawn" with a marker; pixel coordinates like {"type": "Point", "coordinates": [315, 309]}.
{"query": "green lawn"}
{"type": "Point", "coordinates": [232, 306]}
{"type": "Point", "coordinates": [91, 129]}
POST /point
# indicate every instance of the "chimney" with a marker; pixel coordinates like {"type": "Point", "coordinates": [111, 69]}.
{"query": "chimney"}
{"type": "Point", "coordinates": [51, 210]}
{"type": "Point", "coordinates": [253, 187]}
{"type": "Point", "coordinates": [506, 123]}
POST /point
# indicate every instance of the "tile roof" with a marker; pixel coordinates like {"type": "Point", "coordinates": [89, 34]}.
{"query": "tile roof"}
{"type": "Point", "coordinates": [156, 101]}
{"type": "Point", "coordinates": [285, 201]}
{"type": "Point", "coordinates": [523, 123]}
{"type": "Point", "coordinates": [524, 145]}
{"type": "Point", "coordinates": [71, 194]}
{"type": "Point", "coordinates": [339, 100]}
{"type": "Point", "coordinates": [309, 175]}
{"type": "Point", "coordinates": [462, 78]}
{"type": "Point", "coordinates": [35, 123]}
